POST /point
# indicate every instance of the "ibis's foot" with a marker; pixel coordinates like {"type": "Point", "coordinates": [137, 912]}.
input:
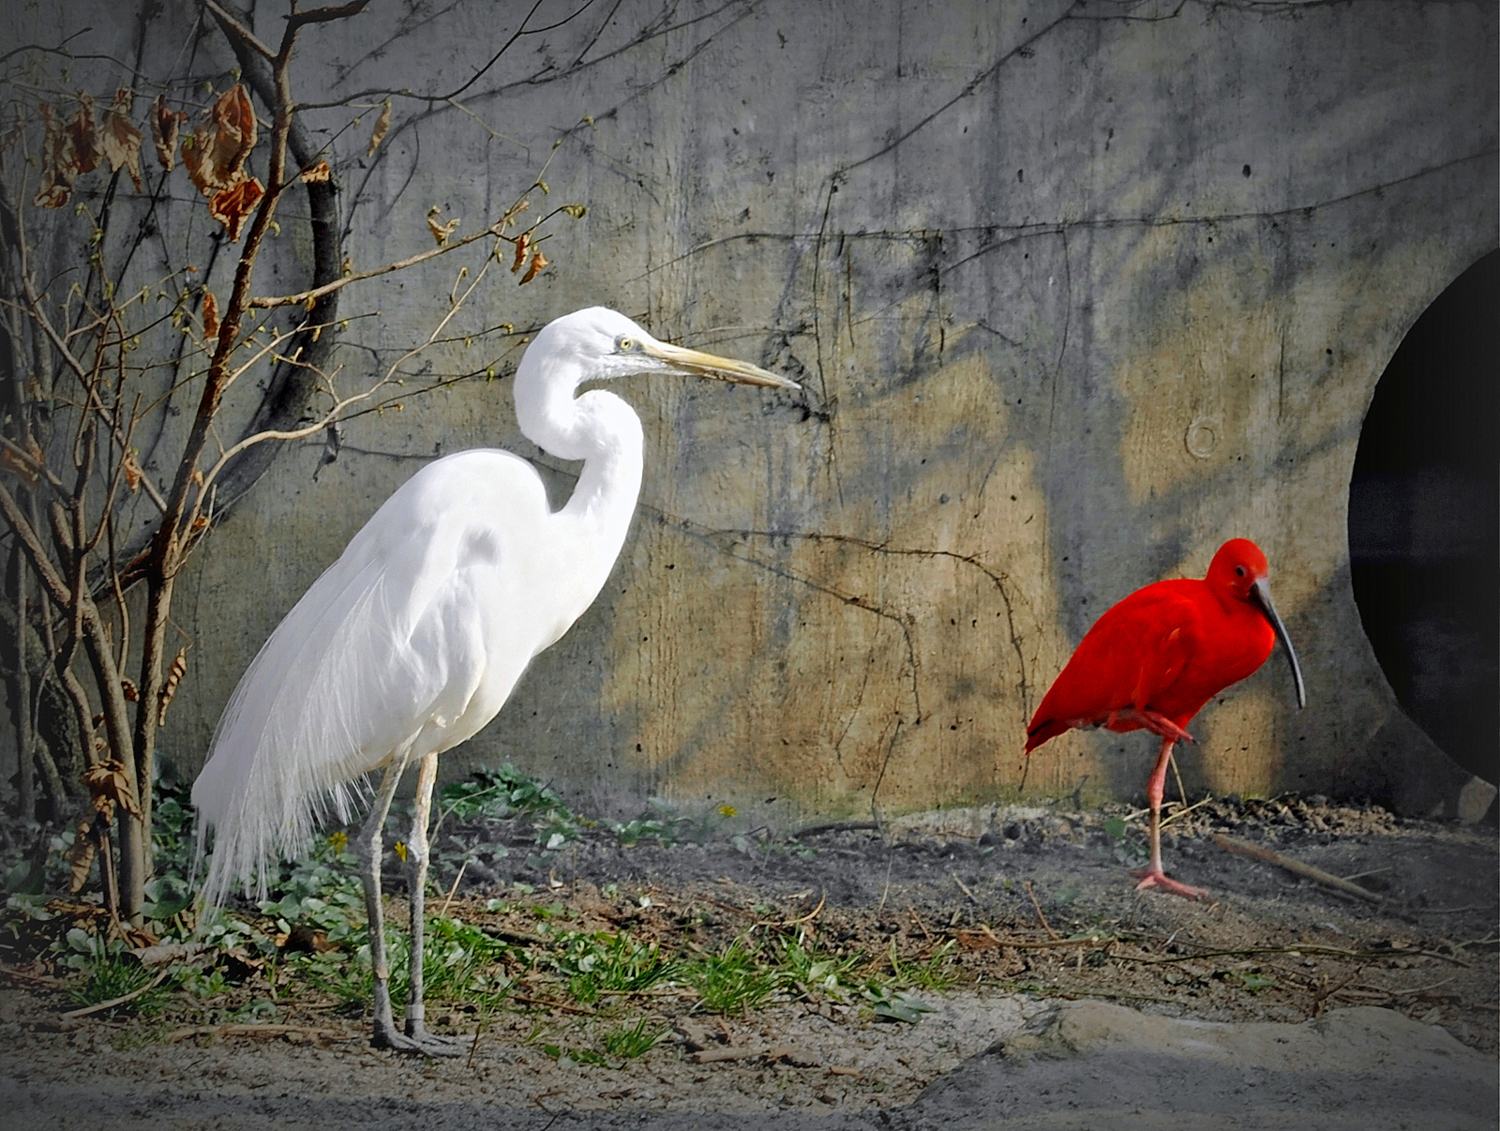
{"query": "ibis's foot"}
{"type": "Point", "coordinates": [416, 1040]}
{"type": "Point", "coordinates": [1158, 879]}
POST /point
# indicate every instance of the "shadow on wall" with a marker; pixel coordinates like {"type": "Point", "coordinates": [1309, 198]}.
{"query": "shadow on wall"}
{"type": "Point", "coordinates": [1424, 521]}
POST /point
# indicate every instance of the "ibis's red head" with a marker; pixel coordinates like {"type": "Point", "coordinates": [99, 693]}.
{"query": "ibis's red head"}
{"type": "Point", "coordinates": [1240, 571]}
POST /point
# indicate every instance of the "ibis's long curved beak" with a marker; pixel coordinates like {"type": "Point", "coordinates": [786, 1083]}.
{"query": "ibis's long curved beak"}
{"type": "Point", "coordinates": [1262, 594]}
{"type": "Point", "coordinates": [700, 364]}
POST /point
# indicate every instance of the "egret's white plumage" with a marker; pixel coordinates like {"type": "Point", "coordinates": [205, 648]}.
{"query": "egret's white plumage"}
{"type": "Point", "coordinates": [413, 639]}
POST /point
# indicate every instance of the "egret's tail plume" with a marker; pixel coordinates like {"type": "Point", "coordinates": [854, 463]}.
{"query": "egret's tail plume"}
{"type": "Point", "coordinates": [285, 754]}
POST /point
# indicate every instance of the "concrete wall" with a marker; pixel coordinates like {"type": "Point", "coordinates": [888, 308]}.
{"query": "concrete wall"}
{"type": "Point", "coordinates": [1076, 292]}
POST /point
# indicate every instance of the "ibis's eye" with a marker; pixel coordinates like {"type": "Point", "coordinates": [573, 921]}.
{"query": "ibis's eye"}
{"type": "Point", "coordinates": [625, 345]}
{"type": "Point", "coordinates": [1239, 571]}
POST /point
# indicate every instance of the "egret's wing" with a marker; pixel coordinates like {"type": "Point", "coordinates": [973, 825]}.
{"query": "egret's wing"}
{"type": "Point", "coordinates": [369, 657]}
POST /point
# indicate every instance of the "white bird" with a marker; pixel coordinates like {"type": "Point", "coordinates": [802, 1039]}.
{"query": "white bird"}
{"type": "Point", "coordinates": [412, 641]}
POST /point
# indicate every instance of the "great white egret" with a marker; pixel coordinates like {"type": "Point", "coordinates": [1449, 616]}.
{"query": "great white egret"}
{"type": "Point", "coordinates": [1154, 659]}
{"type": "Point", "coordinates": [413, 639]}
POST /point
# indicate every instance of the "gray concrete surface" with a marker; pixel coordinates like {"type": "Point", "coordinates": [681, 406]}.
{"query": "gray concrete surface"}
{"type": "Point", "coordinates": [1077, 291]}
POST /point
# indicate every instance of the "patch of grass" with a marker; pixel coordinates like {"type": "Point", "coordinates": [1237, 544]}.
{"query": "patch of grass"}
{"type": "Point", "coordinates": [602, 963]}
{"type": "Point", "coordinates": [568, 1057]}
{"type": "Point", "coordinates": [809, 971]}
{"type": "Point", "coordinates": [732, 982]}
{"type": "Point", "coordinates": [459, 963]}
{"type": "Point", "coordinates": [631, 1041]}
{"type": "Point", "coordinates": [935, 972]}
{"type": "Point", "coordinates": [115, 976]}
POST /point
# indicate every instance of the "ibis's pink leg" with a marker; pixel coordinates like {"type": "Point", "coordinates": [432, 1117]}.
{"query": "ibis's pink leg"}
{"type": "Point", "coordinates": [1153, 876]}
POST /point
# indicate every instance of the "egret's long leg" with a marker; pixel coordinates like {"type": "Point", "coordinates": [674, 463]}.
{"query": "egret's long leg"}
{"type": "Point", "coordinates": [370, 844]}
{"type": "Point", "coordinates": [1156, 788]}
{"type": "Point", "coordinates": [416, 880]}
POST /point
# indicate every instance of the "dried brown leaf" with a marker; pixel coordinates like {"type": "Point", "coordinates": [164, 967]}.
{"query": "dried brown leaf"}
{"type": "Point", "coordinates": [382, 124]}
{"type": "Point", "coordinates": [538, 261]}
{"type": "Point", "coordinates": [523, 241]}
{"type": "Point", "coordinates": [317, 174]}
{"type": "Point", "coordinates": [131, 468]}
{"type": "Point", "coordinates": [210, 314]}
{"type": "Point", "coordinates": [59, 161]}
{"type": "Point", "coordinates": [80, 856]}
{"type": "Point", "coordinates": [164, 126]}
{"type": "Point", "coordinates": [110, 787]}
{"type": "Point", "coordinates": [18, 465]}
{"type": "Point", "coordinates": [216, 159]}
{"type": "Point", "coordinates": [84, 135]}
{"type": "Point", "coordinates": [232, 206]}
{"type": "Point", "coordinates": [120, 139]}
{"type": "Point", "coordinates": [440, 231]}
{"type": "Point", "coordinates": [169, 688]}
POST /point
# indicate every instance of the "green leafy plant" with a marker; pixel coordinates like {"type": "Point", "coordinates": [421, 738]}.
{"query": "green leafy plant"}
{"type": "Point", "coordinates": [810, 972]}
{"type": "Point", "coordinates": [895, 1005]}
{"type": "Point", "coordinates": [601, 963]}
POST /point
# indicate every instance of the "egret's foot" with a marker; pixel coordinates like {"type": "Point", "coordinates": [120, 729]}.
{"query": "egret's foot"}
{"type": "Point", "coordinates": [1159, 879]}
{"type": "Point", "coordinates": [416, 1040]}
{"type": "Point", "coordinates": [447, 1046]}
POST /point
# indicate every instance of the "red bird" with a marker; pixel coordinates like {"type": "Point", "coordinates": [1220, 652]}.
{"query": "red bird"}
{"type": "Point", "coordinates": [1152, 661]}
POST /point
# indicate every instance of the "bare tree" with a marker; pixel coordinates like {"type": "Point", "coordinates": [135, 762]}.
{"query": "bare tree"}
{"type": "Point", "coordinates": [96, 353]}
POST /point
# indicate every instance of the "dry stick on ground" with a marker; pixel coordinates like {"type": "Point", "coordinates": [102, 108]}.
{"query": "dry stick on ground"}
{"type": "Point", "coordinates": [964, 888]}
{"type": "Point", "coordinates": [1296, 948]}
{"type": "Point", "coordinates": [1042, 918]}
{"type": "Point", "coordinates": [1270, 856]}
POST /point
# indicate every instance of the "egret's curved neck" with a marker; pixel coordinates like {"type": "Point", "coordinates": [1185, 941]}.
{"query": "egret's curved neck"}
{"type": "Point", "coordinates": [598, 428]}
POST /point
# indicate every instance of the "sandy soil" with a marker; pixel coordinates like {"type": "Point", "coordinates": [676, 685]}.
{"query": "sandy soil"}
{"type": "Point", "coordinates": [1077, 1002]}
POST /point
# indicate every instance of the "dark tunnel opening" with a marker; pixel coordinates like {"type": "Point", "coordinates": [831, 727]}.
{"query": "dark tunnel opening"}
{"type": "Point", "coordinates": [1424, 520]}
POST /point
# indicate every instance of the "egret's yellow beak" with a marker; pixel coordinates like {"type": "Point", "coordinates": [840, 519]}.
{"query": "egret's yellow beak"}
{"type": "Point", "coordinates": [718, 368]}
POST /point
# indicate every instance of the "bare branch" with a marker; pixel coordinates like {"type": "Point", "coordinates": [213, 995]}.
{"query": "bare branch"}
{"type": "Point", "coordinates": [340, 407]}
{"type": "Point", "coordinates": [233, 26]}
{"type": "Point", "coordinates": [323, 15]}
{"type": "Point", "coordinates": [303, 298]}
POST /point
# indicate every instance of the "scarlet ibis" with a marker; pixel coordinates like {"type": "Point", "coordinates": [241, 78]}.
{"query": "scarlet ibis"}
{"type": "Point", "coordinates": [1152, 661]}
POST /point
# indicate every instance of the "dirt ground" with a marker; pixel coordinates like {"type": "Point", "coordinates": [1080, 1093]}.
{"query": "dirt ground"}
{"type": "Point", "coordinates": [1074, 1000]}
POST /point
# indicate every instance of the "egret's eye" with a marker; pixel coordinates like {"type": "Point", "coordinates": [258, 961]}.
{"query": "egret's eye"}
{"type": "Point", "coordinates": [625, 345]}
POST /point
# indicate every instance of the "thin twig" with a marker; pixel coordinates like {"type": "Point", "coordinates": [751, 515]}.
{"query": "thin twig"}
{"type": "Point", "coordinates": [1176, 773]}
{"type": "Point", "coordinates": [303, 298]}
{"type": "Point", "coordinates": [811, 915]}
{"type": "Point", "coordinates": [451, 891]}
{"type": "Point", "coordinates": [1165, 821]}
{"type": "Point", "coordinates": [1042, 918]}
{"type": "Point", "coordinates": [835, 827]}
